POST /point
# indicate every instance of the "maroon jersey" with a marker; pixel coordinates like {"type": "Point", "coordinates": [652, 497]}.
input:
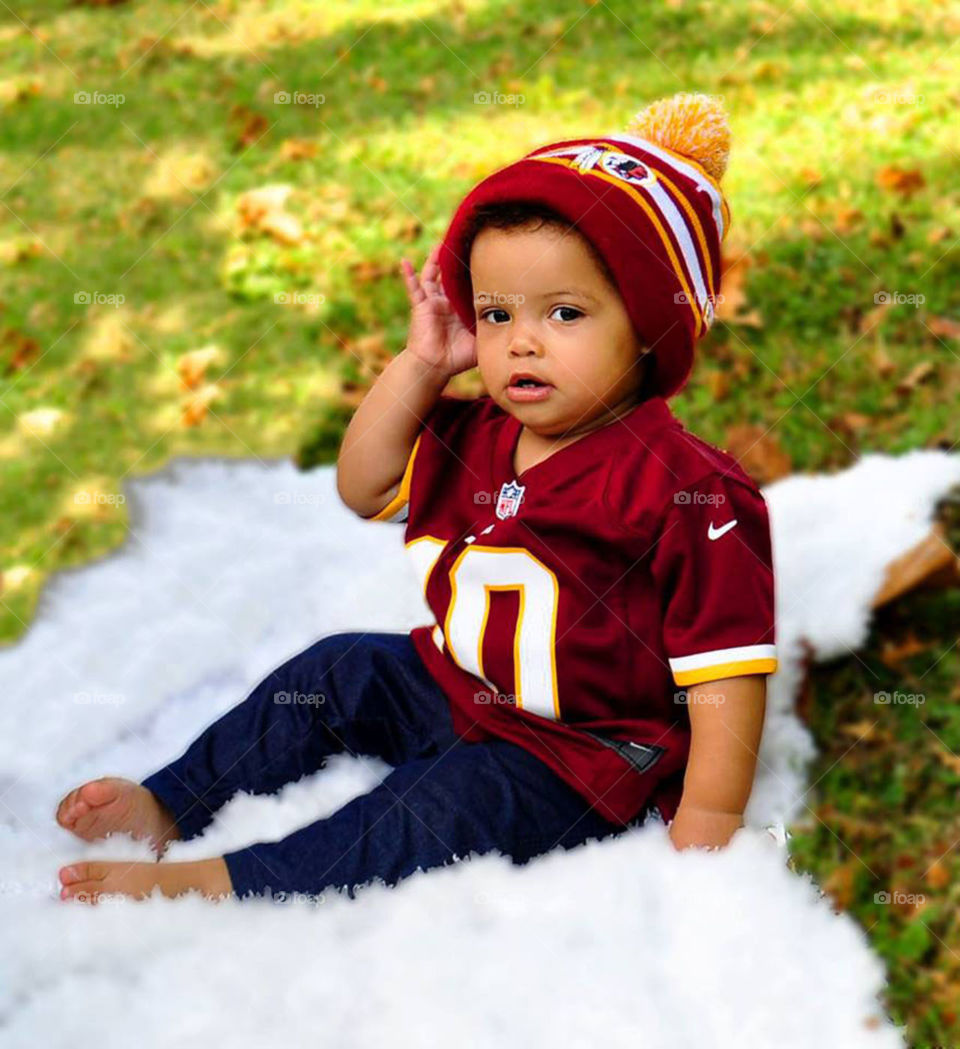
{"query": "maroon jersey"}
{"type": "Point", "coordinates": [574, 602]}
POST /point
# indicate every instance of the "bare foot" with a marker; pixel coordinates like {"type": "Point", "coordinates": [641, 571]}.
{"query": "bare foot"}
{"type": "Point", "coordinates": [109, 804]}
{"type": "Point", "coordinates": [87, 880]}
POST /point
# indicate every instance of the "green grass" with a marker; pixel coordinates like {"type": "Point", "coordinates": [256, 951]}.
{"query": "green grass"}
{"type": "Point", "coordinates": [882, 824]}
{"type": "Point", "coordinates": [91, 202]}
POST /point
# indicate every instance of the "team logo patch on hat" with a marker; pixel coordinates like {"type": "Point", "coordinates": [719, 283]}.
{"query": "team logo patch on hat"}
{"type": "Point", "coordinates": [612, 161]}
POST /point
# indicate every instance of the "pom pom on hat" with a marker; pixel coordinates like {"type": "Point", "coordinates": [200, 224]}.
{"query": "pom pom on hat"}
{"type": "Point", "coordinates": [693, 125]}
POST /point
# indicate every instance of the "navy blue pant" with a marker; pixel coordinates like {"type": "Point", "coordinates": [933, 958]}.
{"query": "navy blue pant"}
{"type": "Point", "coordinates": [370, 694]}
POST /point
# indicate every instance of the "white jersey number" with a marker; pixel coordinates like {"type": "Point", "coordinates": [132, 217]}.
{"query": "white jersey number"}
{"type": "Point", "coordinates": [475, 575]}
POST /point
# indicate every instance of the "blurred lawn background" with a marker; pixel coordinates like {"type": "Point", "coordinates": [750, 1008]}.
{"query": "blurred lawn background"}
{"type": "Point", "coordinates": [203, 211]}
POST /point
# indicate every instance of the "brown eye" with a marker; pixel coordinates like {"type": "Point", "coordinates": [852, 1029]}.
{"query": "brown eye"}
{"type": "Point", "coordinates": [567, 310]}
{"type": "Point", "coordinates": [488, 316]}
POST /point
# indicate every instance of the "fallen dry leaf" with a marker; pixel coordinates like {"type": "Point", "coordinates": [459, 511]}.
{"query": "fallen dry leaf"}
{"type": "Point", "coordinates": [900, 180]}
{"type": "Point", "coordinates": [298, 149]}
{"type": "Point", "coordinates": [197, 404]}
{"type": "Point", "coordinates": [894, 652]}
{"type": "Point", "coordinates": [369, 270]}
{"type": "Point", "coordinates": [865, 731]}
{"type": "Point", "coordinates": [253, 126]}
{"type": "Point", "coordinates": [718, 383]}
{"type": "Point", "coordinates": [192, 366]}
{"type": "Point", "coordinates": [944, 327]}
{"type": "Point", "coordinates": [283, 227]}
{"type": "Point", "coordinates": [372, 352]}
{"type": "Point", "coordinates": [262, 209]}
{"type": "Point", "coordinates": [919, 373]}
{"type": "Point", "coordinates": [938, 234]}
{"type": "Point", "coordinates": [873, 318]}
{"type": "Point", "coordinates": [938, 875]}
{"type": "Point", "coordinates": [846, 219]}
{"type": "Point", "coordinates": [758, 452]}
{"type": "Point", "coordinates": [17, 350]}
{"type": "Point", "coordinates": [839, 883]}
{"type": "Point", "coordinates": [884, 365]}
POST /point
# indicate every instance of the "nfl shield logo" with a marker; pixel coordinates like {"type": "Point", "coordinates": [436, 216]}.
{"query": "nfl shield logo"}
{"type": "Point", "coordinates": [509, 499]}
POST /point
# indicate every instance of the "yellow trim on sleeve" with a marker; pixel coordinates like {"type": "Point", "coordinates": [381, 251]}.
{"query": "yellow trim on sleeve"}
{"type": "Point", "coordinates": [402, 497]}
{"type": "Point", "coordinates": [723, 670]}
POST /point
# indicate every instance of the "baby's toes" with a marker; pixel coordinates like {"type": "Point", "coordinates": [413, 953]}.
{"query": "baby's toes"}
{"type": "Point", "coordinates": [65, 808]}
{"type": "Point", "coordinates": [81, 871]}
{"type": "Point", "coordinates": [78, 811]}
{"type": "Point", "coordinates": [83, 881]}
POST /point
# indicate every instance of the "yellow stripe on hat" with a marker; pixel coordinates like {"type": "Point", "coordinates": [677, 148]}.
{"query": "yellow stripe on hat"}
{"type": "Point", "coordinates": [654, 218]}
{"type": "Point", "coordinates": [706, 175]}
{"type": "Point", "coordinates": [681, 198]}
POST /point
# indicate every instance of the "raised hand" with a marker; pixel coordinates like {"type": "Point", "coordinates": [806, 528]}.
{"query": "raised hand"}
{"type": "Point", "coordinates": [436, 335]}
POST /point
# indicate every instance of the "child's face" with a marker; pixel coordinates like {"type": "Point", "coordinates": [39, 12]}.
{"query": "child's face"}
{"type": "Point", "coordinates": [543, 306]}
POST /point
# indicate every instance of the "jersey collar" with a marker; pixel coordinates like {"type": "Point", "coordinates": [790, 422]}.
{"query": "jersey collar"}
{"type": "Point", "coordinates": [639, 422]}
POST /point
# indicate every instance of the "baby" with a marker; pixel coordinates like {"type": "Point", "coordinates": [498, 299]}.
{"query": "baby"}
{"type": "Point", "coordinates": [601, 579]}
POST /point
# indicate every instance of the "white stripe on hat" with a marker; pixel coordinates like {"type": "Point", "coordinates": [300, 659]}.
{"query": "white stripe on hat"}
{"type": "Point", "coordinates": [678, 165]}
{"type": "Point", "coordinates": [678, 225]}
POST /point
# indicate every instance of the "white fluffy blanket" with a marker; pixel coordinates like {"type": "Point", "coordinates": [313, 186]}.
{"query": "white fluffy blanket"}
{"type": "Point", "coordinates": [233, 566]}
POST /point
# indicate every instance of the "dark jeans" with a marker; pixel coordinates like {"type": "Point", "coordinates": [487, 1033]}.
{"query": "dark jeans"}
{"type": "Point", "coordinates": [370, 694]}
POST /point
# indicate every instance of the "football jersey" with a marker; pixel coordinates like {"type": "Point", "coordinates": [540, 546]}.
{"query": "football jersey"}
{"type": "Point", "coordinates": [574, 602]}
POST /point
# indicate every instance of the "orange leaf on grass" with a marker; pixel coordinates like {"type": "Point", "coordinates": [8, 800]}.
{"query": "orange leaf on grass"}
{"type": "Point", "coordinates": [758, 452]}
{"type": "Point", "coordinates": [197, 404]}
{"type": "Point", "coordinates": [903, 181]}
{"type": "Point", "coordinates": [919, 373]}
{"type": "Point", "coordinates": [944, 327]}
{"type": "Point", "coordinates": [893, 653]}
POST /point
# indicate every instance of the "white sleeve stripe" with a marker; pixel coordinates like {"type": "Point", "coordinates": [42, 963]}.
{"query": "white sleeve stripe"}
{"type": "Point", "coordinates": [741, 654]}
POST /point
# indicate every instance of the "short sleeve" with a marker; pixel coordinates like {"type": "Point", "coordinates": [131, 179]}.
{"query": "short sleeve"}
{"type": "Point", "coordinates": [713, 569]}
{"type": "Point", "coordinates": [398, 509]}
{"type": "Point", "coordinates": [437, 420]}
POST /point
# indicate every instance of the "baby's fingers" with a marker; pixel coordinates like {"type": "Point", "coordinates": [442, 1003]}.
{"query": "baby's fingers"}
{"type": "Point", "coordinates": [415, 293]}
{"type": "Point", "coordinates": [431, 270]}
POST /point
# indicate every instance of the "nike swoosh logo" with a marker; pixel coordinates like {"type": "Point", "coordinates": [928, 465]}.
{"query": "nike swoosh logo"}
{"type": "Point", "coordinates": [715, 533]}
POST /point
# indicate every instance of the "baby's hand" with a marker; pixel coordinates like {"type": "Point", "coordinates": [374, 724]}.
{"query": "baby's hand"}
{"type": "Point", "coordinates": [436, 336]}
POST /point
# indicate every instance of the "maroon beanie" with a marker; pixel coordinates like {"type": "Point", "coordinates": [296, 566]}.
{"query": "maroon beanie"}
{"type": "Point", "coordinates": [649, 203]}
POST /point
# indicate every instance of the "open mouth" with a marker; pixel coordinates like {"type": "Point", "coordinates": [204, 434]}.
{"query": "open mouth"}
{"type": "Point", "coordinates": [526, 388]}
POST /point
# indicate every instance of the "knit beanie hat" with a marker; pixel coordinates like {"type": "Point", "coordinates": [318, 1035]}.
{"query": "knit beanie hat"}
{"type": "Point", "coordinates": [648, 200]}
